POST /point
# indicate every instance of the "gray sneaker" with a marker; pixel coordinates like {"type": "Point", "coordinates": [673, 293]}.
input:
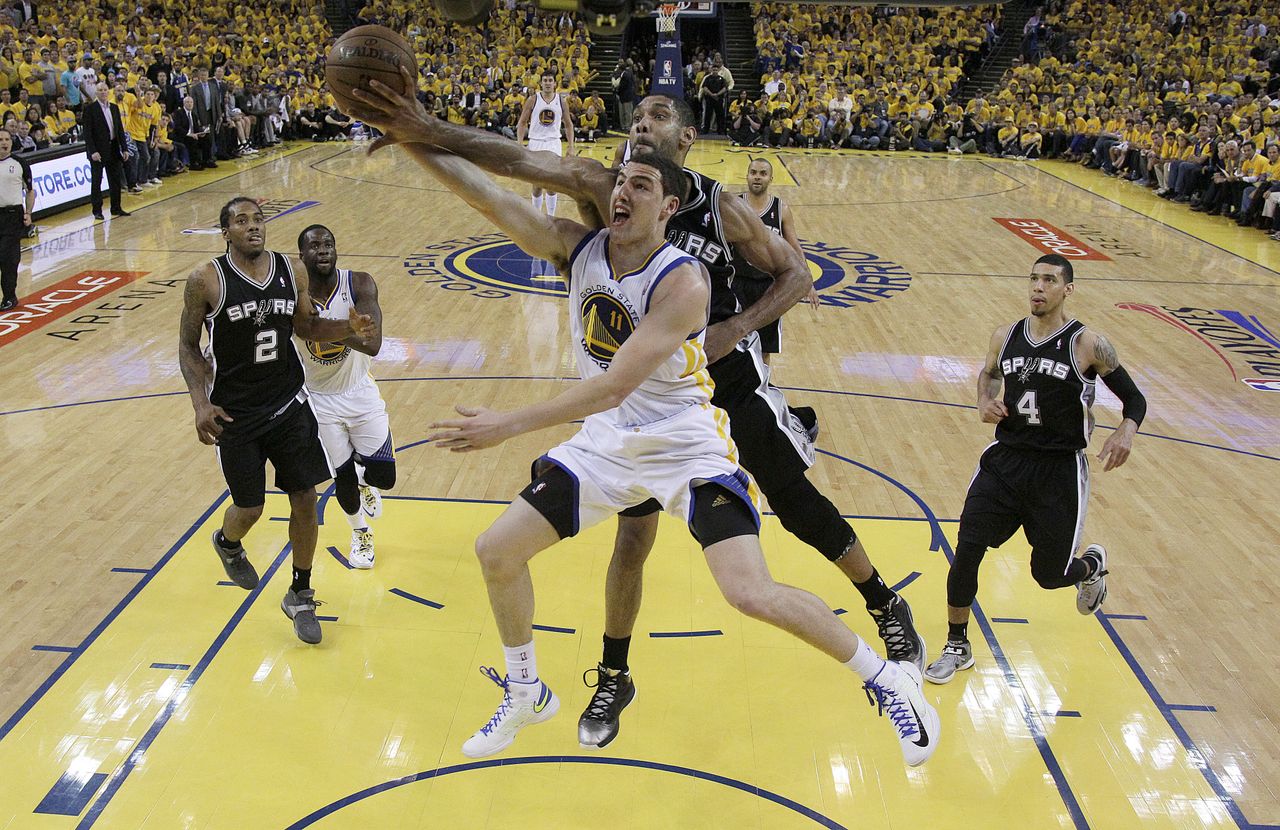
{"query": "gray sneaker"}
{"type": "Point", "coordinates": [300, 607]}
{"type": "Point", "coordinates": [902, 643]}
{"type": "Point", "coordinates": [237, 565]}
{"type": "Point", "coordinates": [956, 656]}
{"type": "Point", "coordinates": [1092, 592]}
{"type": "Point", "coordinates": [599, 723]}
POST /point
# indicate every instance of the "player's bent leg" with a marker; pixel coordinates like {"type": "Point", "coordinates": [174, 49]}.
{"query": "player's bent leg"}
{"type": "Point", "coordinates": [962, 590]}
{"type": "Point", "coordinates": [346, 488]}
{"type": "Point", "coordinates": [738, 566]}
{"type": "Point", "coordinates": [614, 689]}
{"type": "Point", "coordinates": [236, 522]}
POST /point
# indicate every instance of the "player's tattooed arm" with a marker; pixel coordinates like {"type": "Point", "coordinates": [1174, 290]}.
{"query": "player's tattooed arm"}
{"type": "Point", "coordinates": [990, 407]}
{"type": "Point", "coordinates": [1105, 359]}
{"type": "Point", "coordinates": [197, 371]}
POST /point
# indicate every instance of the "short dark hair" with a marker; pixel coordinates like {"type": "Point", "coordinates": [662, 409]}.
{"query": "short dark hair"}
{"type": "Point", "coordinates": [1061, 263]}
{"type": "Point", "coordinates": [670, 171]}
{"type": "Point", "coordinates": [224, 216]}
{"type": "Point", "coordinates": [308, 229]}
{"type": "Point", "coordinates": [752, 160]}
{"type": "Point", "coordinates": [684, 112]}
{"type": "Point", "coordinates": [547, 73]}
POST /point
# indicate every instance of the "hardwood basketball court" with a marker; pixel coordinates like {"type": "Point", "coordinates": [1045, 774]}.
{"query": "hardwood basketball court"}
{"type": "Point", "coordinates": [135, 691]}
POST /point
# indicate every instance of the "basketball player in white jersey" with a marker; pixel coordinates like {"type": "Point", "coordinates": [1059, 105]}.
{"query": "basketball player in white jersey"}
{"type": "Point", "coordinates": [352, 416]}
{"type": "Point", "coordinates": [776, 216]}
{"type": "Point", "coordinates": [639, 315]}
{"type": "Point", "coordinates": [544, 119]}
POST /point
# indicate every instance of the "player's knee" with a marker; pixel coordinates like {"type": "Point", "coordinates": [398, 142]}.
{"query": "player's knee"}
{"type": "Point", "coordinates": [250, 515]}
{"type": "Point", "coordinates": [492, 554]}
{"type": "Point", "coordinates": [380, 474]}
{"type": "Point", "coordinates": [754, 599]}
{"type": "Point", "coordinates": [633, 542]}
{"type": "Point", "coordinates": [1048, 572]}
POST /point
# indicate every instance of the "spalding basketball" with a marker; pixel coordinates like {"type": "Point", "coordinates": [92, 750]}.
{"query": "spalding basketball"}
{"type": "Point", "coordinates": [363, 54]}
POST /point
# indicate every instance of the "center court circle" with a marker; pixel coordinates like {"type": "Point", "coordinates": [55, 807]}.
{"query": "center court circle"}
{"type": "Point", "coordinates": [800, 815]}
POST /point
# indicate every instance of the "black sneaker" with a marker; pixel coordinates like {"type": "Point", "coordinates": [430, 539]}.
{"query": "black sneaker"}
{"type": "Point", "coordinates": [300, 606]}
{"type": "Point", "coordinates": [237, 565]}
{"type": "Point", "coordinates": [599, 722]}
{"type": "Point", "coordinates": [8, 304]}
{"type": "Point", "coordinates": [902, 643]}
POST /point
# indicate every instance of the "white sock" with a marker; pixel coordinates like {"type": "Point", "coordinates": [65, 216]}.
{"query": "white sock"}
{"type": "Point", "coordinates": [522, 670]}
{"type": "Point", "coordinates": [537, 202]}
{"type": "Point", "coordinates": [357, 520]}
{"type": "Point", "coordinates": [865, 662]}
{"type": "Point", "coordinates": [552, 200]}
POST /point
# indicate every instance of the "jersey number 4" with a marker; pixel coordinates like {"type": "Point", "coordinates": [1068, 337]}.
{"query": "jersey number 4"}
{"type": "Point", "coordinates": [265, 347]}
{"type": "Point", "coordinates": [1027, 406]}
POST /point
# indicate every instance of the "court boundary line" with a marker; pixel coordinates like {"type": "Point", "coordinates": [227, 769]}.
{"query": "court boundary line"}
{"type": "Point", "coordinates": [132, 594]}
{"type": "Point", "coordinates": [843, 393]}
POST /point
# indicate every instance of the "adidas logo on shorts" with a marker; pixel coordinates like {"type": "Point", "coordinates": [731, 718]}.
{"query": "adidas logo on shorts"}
{"type": "Point", "coordinates": [720, 500]}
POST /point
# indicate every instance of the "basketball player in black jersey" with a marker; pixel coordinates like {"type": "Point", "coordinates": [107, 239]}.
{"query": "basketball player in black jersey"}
{"type": "Point", "coordinates": [719, 229]}
{"type": "Point", "coordinates": [751, 283]}
{"type": "Point", "coordinates": [1036, 475]}
{"type": "Point", "coordinates": [249, 397]}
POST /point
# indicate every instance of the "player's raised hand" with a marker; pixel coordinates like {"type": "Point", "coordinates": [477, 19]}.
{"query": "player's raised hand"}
{"type": "Point", "coordinates": [400, 116]}
{"type": "Point", "coordinates": [362, 324]}
{"type": "Point", "coordinates": [993, 411]}
{"type": "Point", "coordinates": [207, 427]}
{"type": "Point", "coordinates": [478, 429]}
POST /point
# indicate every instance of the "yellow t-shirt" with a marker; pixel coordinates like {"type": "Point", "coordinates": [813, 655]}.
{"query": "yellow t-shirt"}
{"type": "Point", "coordinates": [141, 119]}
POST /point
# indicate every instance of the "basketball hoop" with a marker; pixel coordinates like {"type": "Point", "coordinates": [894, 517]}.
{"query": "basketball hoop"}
{"type": "Point", "coordinates": [667, 16]}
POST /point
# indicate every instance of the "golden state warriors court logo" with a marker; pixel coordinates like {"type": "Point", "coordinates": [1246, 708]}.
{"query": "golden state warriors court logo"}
{"type": "Point", "coordinates": [327, 354]}
{"type": "Point", "coordinates": [490, 266]}
{"type": "Point", "coordinates": [606, 325]}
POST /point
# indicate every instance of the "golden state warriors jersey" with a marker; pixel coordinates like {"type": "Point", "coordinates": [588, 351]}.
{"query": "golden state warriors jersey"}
{"type": "Point", "coordinates": [335, 368]}
{"type": "Point", "coordinates": [607, 307]}
{"type": "Point", "coordinates": [545, 122]}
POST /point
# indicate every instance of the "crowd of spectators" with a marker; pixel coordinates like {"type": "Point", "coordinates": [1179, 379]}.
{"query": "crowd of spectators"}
{"type": "Point", "coordinates": [860, 77]}
{"type": "Point", "coordinates": [198, 82]}
{"type": "Point", "coordinates": [1183, 98]}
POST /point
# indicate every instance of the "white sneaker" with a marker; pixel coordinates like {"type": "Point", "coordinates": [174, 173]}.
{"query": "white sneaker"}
{"type": "Point", "coordinates": [896, 691]}
{"type": "Point", "coordinates": [1092, 592]}
{"type": "Point", "coordinates": [361, 549]}
{"type": "Point", "coordinates": [511, 717]}
{"type": "Point", "coordinates": [370, 501]}
{"type": "Point", "coordinates": [156, 181]}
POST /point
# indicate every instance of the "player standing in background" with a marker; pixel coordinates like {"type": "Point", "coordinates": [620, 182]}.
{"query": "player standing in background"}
{"type": "Point", "coordinates": [544, 119]}
{"type": "Point", "coordinates": [352, 416]}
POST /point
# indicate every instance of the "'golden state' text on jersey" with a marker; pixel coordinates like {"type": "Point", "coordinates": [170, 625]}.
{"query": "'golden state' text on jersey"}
{"type": "Point", "coordinates": [607, 307]}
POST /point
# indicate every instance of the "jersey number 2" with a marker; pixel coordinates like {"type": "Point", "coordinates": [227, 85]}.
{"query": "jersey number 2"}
{"type": "Point", "coordinates": [1027, 406]}
{"type": "Point", "coordinates": [265, 350]}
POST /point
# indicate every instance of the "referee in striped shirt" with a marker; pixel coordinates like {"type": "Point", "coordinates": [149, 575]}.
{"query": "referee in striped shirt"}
{"type": "Point", "coordinates": [17, 197]}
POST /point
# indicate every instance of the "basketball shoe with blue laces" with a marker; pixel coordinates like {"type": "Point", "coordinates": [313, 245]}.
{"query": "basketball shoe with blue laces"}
{"type": "Point", "coordinates": [512, 716]}
{"type": "Point", "coordinates": [896, 693]}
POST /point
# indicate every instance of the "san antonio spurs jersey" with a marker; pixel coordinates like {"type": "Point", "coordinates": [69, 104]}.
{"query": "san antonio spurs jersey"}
{"type": "Point", "coordinates": [335, 368]}
{"type": "Point", "coordinates": [607, 307]}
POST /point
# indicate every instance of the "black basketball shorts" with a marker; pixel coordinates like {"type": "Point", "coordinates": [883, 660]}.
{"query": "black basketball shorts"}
{"type": "Point", "coordinates": [292, 446]}
{"type": "Point", "coordinates": [1044, 493]}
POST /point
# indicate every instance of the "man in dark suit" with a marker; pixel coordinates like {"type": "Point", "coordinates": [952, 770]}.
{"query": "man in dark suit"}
{"type": "Point", "coordinates": [207, 96]}
{"type": "Point", "coordinates": [167, 95]}
{"type": "Point", "coordinates": [105, 147]}
{"type": "Point", "coordinates": [191, 129]}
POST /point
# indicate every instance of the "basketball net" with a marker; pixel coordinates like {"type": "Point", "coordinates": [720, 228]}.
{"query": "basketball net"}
{"type": "Point", "coordinates": [667, 16]}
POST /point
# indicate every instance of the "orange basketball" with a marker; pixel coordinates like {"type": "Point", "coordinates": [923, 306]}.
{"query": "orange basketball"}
{"type": "Point", "coordinates": [363, 54]}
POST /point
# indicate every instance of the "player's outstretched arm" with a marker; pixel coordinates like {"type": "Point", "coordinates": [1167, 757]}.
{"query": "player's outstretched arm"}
{"type": "Point", "coordinates": [533, 231]}
{"type": "Point", "coordinates": [366, 291]}
{"type": "Point", "coordinates": [1100, 355]}
{"type": "Point", "coordinates": [678, 307]}
{"type": "Point", "coordinates": [526, 115]}
{"type": "Point", "coordinates": [990, 407]}
{"type": "Point", "coordinates": [196, 370]}
{"type": "Point", "coordinates": [403, 120]}
{"type": "Point", "coordinates": [770, 253]}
